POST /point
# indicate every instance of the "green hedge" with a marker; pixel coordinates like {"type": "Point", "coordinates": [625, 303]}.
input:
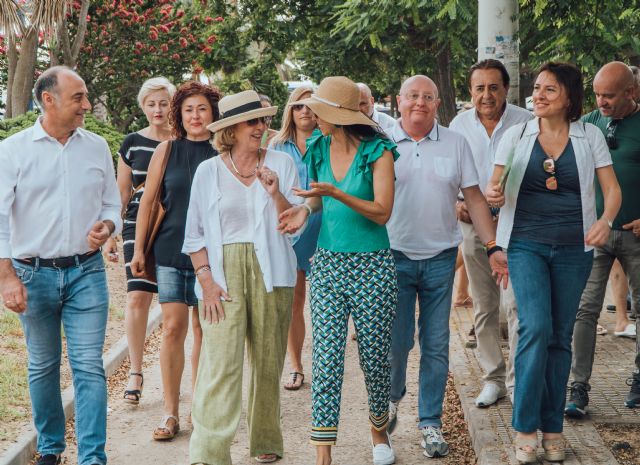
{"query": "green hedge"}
{"type": "Point", "coordinates": [112, 136]}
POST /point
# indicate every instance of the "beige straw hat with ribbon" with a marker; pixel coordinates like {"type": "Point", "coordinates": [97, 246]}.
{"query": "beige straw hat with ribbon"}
{"type": "Point", "coordinates": [236, 108]}
{"type": "Point", "coordinates": [337, 101]}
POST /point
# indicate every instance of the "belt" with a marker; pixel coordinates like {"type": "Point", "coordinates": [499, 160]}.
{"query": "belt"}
{"type": "Point", "coordinates": [61, 262]}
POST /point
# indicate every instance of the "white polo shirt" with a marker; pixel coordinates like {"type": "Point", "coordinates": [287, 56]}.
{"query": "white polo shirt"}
{"type": "Point", "coordinates": [484, 147]}
{"type": "Point", "coordinates": [384, 121]}
{"type": "Point", "coordinates": [429, 174]}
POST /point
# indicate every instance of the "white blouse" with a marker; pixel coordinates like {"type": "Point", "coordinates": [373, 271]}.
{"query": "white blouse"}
{"type": "Point", "coordinates": [204, 230]}
{"type": "Point", "coordinates": [236, 207]}
{"type": "Point", "coordinates": [591, 153]}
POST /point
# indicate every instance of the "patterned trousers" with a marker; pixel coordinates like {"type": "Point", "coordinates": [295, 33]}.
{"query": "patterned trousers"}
{"type": "Point", "coordinates": [364, 285]}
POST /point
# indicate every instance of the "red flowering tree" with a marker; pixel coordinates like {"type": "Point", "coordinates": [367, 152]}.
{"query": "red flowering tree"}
{"type": "Point", "coordinates": [127, 42]}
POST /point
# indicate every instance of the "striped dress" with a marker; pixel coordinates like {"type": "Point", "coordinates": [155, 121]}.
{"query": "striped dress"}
{"type": "Point", "coordinates": [136, 152]}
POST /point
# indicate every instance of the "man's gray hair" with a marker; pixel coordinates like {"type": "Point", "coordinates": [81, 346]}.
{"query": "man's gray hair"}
{"type": "Point", "coordinates": [48, 81]}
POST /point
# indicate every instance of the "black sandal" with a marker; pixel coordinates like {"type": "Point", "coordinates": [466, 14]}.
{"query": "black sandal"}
{"type": "Point", "coordinates": [133, 396]}
{"type": "Point", "coordinates": [293, 384]}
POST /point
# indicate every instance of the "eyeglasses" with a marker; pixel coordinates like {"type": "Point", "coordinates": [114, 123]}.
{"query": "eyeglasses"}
{"type": "Point", "coordinates": [414, 96]}
{"type": "Point", "coordinates": [263, 119]}
{"type": "Point", "coordinates": [612, 142]}
{"type": "Point", "coordinates": [298, 106]}
{"type": "Point", "coordinates": [549, 167]}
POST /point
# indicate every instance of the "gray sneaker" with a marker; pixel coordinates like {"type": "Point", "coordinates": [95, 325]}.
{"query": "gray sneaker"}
{"type": "Point", "coordinates": [433, 443]}
{"type": "Point", "coordinates": [393, 416]}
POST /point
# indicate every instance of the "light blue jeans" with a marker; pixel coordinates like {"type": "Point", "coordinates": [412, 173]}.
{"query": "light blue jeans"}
{"type": "Point", "coordinates": [78, 298]}
{"type": "Point", "coordinates": [431, 281]}
{"type": "Point", "coordinates": [548, 282]}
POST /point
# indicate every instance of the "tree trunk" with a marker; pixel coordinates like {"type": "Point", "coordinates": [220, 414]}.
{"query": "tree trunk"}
{"type": "Point", "coordinates": [12, 63]}
{"type": "Point", "coordinates": [19, 93]}
{"type": "Point", "coordinates": [443, 78]}
{"type": "Point", "coordinates": [64, 52]}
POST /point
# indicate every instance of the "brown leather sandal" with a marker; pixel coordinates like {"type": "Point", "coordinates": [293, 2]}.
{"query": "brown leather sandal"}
{"type": "Point", "coordinates": [163, 431]}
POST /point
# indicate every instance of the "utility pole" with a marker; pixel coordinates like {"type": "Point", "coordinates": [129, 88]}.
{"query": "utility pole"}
{"type": "Point", "coordinates": [498, 38]}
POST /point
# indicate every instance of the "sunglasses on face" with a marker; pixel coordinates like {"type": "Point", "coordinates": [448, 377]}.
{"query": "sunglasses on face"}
{"type": "Point", "coordinates": [549, 167]}
{"type": "Point", "coordinates": [612, 142]}
{"type": "Point", "coordinates": [263, 119]}
{"type": "Point", "coordinates": [298, 107]}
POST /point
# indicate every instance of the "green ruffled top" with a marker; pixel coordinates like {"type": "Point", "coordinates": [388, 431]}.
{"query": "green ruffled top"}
{"type": "Point", "coordinates": [343, 229]}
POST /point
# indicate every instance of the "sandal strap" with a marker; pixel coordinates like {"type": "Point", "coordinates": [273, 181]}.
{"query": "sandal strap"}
{"type": "Point", "coordinates": [131, 373]}
{"type": "Point", "coordinates": [165, 420]}
{"type": "Point", "coordinates": [553, 444]}
{"type": "Point", "coordinates": [524, 442]}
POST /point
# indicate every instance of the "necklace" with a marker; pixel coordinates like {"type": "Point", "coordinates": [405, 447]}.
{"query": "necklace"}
{"type": "Point", "coordinates": [247, 176]}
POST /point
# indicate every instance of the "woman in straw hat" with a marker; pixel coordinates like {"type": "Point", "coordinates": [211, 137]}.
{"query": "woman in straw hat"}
{"type": "Point", "coordinates": [353, 270]}
{"type": "Point", "coordinates": [245, 273]}
{"type": "Point", "coordinates": [298, 123]}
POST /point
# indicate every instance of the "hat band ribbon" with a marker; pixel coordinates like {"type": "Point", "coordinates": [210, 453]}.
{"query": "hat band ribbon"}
{"type": "Point", "coordinates": [242, 109]}
{"type": "Point", "coordinates": [330, 103]}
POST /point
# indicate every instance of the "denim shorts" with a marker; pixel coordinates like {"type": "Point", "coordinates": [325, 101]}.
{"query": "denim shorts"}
{"type": "Point", "coordinates": [176, 285]}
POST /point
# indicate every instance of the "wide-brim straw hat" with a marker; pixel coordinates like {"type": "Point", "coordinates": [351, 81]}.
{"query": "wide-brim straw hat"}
{"type": "Point", "coordinates": [337, 101]}
{"type": "Point", "coordinates": [240, 107]}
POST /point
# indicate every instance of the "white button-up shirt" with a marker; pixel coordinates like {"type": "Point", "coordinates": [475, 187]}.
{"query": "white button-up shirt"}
{"type": "Point", "coordinates": [484, 147]}
{"type": "Point", "coordinates": [516, 146]}
{"type": "Point", "coordinates": [429, 174]}
{"type": "Point", "coordinates": [275, 254]}
{"type": "Point", "coordinates": [52, 194]}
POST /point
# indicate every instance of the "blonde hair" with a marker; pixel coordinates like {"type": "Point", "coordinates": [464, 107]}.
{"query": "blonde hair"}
{"type": "Point", "coordinates": [153, 85]}
{"type": "Point", "coordinates": [224, 139]}
{"type": "Point", "coordinates": [288, 129]}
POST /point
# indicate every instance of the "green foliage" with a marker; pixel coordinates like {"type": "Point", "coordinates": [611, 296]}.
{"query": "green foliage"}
{"type": "Point", "coordinates": [114, 138]}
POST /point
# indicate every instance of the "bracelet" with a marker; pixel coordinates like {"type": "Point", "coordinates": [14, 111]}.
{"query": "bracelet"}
{"type": "Point", "coordinates": [492, 250]}
{"type": "Point", "coordinates": [489, 245]}
{"type": "Point", "coordinates": [202, 269]}
{"type": "Point", "coordinates": [305, 205]}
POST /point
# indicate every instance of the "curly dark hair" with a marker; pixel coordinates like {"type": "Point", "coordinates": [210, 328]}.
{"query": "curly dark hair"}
{"type": "Point", "coordinates": [186, 90]}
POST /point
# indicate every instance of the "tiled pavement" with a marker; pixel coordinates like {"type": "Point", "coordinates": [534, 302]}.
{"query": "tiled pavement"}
{"type": "Point", "coordinates": [491, 429]}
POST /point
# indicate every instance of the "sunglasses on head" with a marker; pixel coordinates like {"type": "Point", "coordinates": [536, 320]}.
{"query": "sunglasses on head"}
{"type": "Point", "coordinates": [263, 119]}
{"type": "Point", "coordinates": [549, 167]}
{"type": "Point", "coordinates": [298, 106]}
{"type": "Point", "coordinates": [612, 142]}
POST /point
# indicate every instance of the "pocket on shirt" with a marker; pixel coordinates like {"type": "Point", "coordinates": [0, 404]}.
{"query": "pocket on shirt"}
{"type": "Point", "coordinates": [445, 167]}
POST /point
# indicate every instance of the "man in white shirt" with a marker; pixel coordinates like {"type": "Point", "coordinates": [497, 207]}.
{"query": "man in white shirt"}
{"type": "Point", "coordinates": [483, 128]}
{"type": "Point", "coordinates": [59, 203]}
{"type": "Point", "coordinates": [367, 107]}
{"type": "Point", "coordinates": [435, 164]}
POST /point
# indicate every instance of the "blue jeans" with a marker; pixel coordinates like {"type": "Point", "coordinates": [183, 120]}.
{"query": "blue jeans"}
{"type": "Point", "coordinates": [548, 282]}
{"type": "Point", "coordinates": [431, 280]}
{"type": "Point", "coordinates": [78, 298]}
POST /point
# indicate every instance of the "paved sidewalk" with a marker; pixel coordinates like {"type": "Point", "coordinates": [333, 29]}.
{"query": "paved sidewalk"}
{"type": "Point", "coordinates": [491, 430]}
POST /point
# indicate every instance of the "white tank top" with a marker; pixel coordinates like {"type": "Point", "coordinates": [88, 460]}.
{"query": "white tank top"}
{"type": "Point", "coordinates": [236, 206]}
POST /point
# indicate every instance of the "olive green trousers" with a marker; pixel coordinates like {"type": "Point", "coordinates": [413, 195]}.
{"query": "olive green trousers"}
{"type": "Point", "coordinates": [262, 320]}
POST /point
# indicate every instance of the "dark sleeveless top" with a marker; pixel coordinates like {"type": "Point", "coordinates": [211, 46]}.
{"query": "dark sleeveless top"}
{"type": "Point", "coordinates": [546, 216]}
{"type": "Point", "coordinates": [185, 157]}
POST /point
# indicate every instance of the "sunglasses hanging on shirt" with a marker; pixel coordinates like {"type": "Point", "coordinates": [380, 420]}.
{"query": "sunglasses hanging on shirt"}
{"type": "Point", "coordinates": [549, 166]}
{"type": "Point", "coordinates": [612, 142]}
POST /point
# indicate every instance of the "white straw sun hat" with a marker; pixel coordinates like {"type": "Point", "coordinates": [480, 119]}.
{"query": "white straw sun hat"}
{"type": "Point", "coordinates": [337, 101]}
{"type": "Point", "coordinates": [240, 107]}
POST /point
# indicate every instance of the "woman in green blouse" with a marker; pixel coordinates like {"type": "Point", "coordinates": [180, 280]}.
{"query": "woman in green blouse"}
{"type": "Point", "coordinates": [353, 272]}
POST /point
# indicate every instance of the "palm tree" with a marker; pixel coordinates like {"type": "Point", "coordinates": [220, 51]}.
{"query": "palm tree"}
{"type": "Point", "coordinates": [22, 22]}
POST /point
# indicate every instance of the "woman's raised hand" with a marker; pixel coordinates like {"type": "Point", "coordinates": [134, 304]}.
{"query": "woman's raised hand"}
{"type": "Point", "coordinates": [268, 179]}
{"type": "Point", "coordinates": [494, 195]}
{"type": "Point", "coordinates": [292, 219]}
{"type": "Point", "coordinates": [318, 189]}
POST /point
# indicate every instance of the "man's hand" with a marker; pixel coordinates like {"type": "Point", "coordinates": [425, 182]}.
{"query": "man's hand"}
{"type": "Point", "coordinates": [598, 234]}
{"type": "Point", "coordinates": [633, 226]}
{"type": "Point", "coordinates": [98, 235]}
{"type": "Point", "coordinates": [14, 294]}
{"type": "Point", "coordinates": [462, 213]}
{"type": "Point", "coordinates": [499, 268]}
{"type": "Point", "coordinates": [110, 250]}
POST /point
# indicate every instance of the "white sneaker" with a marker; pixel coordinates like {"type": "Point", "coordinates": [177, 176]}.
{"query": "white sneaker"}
{"type": "Point", "coordinates": [490, 394]}
{"type": "Point", "coordinates": [383, 453]}
{"type": "Point", "coordinates": [433, 442]}
{"type": "Point", "coordinates": [393, 416]}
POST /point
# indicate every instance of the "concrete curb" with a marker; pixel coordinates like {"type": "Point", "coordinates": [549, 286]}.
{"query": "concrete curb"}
{"type": "Point", "coordinates": [24, 448]}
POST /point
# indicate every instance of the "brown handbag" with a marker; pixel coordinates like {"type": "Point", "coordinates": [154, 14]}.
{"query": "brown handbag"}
{"type": "Point", "coordinates": [155, 220]}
